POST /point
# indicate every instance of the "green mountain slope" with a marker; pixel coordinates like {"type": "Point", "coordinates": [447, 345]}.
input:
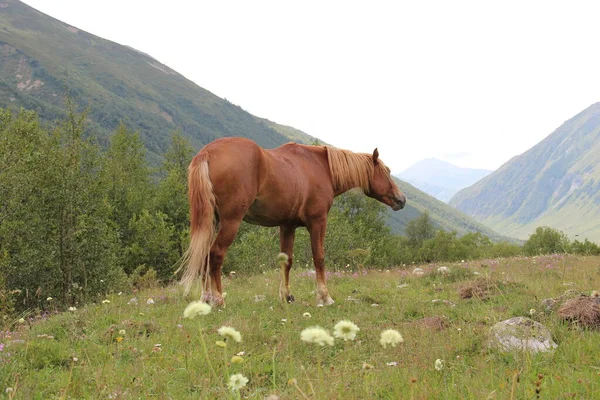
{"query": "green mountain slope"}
{"type": "Point", "coordinates": [443, 216]}
{"type": "Point", "coordinates": [555, 183]}
{"type": "Point", "coordinates": [42, 58]}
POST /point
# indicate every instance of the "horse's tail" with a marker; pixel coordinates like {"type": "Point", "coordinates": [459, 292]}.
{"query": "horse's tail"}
{"type": "Point", "coordinates": [202, 224]}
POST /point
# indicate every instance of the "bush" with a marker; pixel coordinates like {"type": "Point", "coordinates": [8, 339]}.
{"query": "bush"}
{"type": "Point", "coordinates": [546, 240]}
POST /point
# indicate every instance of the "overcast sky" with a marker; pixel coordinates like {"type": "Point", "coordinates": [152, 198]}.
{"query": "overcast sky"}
{"type": "Point", "coordinates": [471, 82]}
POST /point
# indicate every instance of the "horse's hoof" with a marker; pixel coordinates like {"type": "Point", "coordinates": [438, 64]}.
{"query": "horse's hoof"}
{"type": "Point", "coordinates": [325, 302]}
{"type": "Point", "coordinates": [290, 298]}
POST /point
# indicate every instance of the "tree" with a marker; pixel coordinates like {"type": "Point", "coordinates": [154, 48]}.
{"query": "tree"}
{"type": "Point", "coordinates": [172, 197]}
{"type": "Point", "coordinates": [128, 179]}
{"type": "Point", "coordinates": [55, 229]}
{"type": "Point", "coordinates": [419, 230]}
{"type": "Point", "coordinates": [546, 240]}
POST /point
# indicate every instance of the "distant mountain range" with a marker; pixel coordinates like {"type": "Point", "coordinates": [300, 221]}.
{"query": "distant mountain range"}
{"type": "Point", "coordinates": [42, 58]}
{"type": "Point", "coordinates": [441, 179]}
{"type": "Point", "coordinates": [555, 183]}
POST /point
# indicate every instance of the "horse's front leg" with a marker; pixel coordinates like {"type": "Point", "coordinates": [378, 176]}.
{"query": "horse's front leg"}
{"type": "Point", "coordinates": [317, 237]}
{"type": "Point", "coordinates": [286, 241]}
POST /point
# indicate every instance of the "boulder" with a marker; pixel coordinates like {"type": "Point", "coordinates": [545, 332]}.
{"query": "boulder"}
{"type": "Point", "coordinates": [521, 333]}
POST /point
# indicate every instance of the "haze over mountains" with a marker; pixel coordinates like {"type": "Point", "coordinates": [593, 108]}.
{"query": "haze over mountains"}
{"type": "Point", "coordinates": [441, 179]}
{"type": "Point", "coordinates": [42, 58]}
{"type": "Point", "coordinates": [555, 183]}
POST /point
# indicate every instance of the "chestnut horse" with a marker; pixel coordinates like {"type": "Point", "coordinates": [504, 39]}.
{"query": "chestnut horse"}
{"type": "Point", "coordinates": [233, 179]}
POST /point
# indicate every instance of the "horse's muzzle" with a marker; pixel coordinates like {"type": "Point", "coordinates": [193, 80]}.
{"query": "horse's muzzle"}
{"type": "Point", "coordinates": [399, 203]}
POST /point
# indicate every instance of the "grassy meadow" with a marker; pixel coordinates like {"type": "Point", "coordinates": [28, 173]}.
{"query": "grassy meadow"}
{"type": "Point", "coordinates": [124, 348]}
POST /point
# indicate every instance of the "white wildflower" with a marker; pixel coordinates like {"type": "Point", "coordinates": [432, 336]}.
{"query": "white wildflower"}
{"type": "Point", "coordinates": [230, 333]}
{"type": "Point", "coordinates": [391, 337]}
{"type": "Point", "coordinates": [196, 308]}
{"type": "Point", "coordinates": [439, 364]}
{"type": "Point", "coordinates": [236, 382]}
{"type": "Point", "coordinates": [316, 335]}
{"type": "Point", "coordinates": [345, 330]}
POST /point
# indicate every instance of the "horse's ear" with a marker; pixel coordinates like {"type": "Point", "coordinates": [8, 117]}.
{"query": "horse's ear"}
{"type": "Point", "coordinates": [375, 156]}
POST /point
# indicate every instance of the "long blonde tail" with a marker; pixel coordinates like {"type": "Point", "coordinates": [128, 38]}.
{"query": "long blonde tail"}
{"type": "Point", "coordinates": [202, 224]}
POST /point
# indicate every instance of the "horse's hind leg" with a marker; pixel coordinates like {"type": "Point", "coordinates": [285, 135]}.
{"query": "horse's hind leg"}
{"type": "Point", "coordinates": [227, 231]}
{"type": "Point", "coordinates": [286, 241]}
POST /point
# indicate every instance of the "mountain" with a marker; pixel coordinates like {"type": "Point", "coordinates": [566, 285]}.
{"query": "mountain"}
{"type": "Point", "coordinates": [555, 183]}
{"type": "Point", "coordinates": [441, 179]}
{"type": "Point", "coordinates": [42, 58]}
{"type": "Point", "coordinates": [442, 215]}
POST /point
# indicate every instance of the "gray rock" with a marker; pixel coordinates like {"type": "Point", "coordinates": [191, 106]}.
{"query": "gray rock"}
{"type": "Point", "coordinates": [551, 304]}
{"type": "Point", "coordinates": [521, 333]}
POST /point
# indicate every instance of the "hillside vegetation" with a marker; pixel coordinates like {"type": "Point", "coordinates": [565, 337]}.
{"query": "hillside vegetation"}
{"type": "Point", "coordinates": [42, 59]}
{"type": "Point", "coordinates": [555, 183]}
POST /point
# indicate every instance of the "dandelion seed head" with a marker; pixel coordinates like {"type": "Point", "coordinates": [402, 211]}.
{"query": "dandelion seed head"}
{"type": "Point", "coordinates": [237, 360]}
{"type": "Point", "coordinates": [236, 382]}
{"type": "Point", "coordinates": [316, 335]}
{"type": "Point", "coordinates": [196, 308]}
{"type": "Point", "coordinates": [230, 333]}
{"type": "Point", "coordinates": [390, 337]}
{"type": "Point", "coordinates": [282, 258]}
{"type": "Point", "coordinates": [345, 330]}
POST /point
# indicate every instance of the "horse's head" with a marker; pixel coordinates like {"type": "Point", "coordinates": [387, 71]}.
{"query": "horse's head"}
{"type": "Point", "coordinates": [383, 188]}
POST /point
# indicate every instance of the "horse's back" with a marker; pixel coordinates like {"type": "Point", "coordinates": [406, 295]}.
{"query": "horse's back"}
{"type": "Point", "coordinates": [234, 168]}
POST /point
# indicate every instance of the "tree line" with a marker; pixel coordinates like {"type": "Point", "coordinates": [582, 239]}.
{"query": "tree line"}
{"type": "Point", "coordinates": [78, 220]}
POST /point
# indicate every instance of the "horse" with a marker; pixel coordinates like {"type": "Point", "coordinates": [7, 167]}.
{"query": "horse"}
{"type": "Point", "coordinates": [233, 179]}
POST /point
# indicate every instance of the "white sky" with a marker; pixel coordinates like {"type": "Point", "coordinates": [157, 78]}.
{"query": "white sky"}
{"type": "Point", "coordinates": [471, 82]}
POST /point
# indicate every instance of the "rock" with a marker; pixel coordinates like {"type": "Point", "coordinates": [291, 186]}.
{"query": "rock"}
{"type": "Point", "coordinates": [418, 272]}
{"type": "Point", "coordinates": [550, 304]}
{"type": "Point", "coordinates": [521, 333]}
{"type": "Point", "coordinates": [443, 270]}
{"type": "Point", "coordinates": [446, 302]}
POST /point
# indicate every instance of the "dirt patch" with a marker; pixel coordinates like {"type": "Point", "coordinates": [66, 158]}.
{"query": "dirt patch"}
{"type": "Point", "coordinates": [166, 116]}
{"type": "Point", "coordinates": [481, 288]}
{"type": "Point", "coordinates": [432, 323]}
{"type": "Point", "coordinates": [28, 85]}
{"type": "Point", "coordinates": [583, 311]}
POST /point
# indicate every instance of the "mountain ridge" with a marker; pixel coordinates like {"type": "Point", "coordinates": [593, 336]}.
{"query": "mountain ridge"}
{"type": "Point", "coordinates": [554, 183]}
{"type": "Point", "coordinates": [440, 178]}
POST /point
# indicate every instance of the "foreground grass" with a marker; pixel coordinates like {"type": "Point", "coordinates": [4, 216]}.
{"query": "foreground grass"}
{"type": "Point", "coordinates": [125, 349]}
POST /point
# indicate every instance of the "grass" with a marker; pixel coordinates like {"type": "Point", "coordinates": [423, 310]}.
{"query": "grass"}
{"type": "Point", "coordinates": [121, 350]}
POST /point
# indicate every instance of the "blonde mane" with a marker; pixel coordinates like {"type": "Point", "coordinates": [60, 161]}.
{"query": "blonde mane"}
{"type": "Point", "coordinates": [349, 169]}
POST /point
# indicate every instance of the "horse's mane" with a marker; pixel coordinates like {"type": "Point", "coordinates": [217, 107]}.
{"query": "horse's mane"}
{"type": "Point", "coordinates": [349, 169]}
